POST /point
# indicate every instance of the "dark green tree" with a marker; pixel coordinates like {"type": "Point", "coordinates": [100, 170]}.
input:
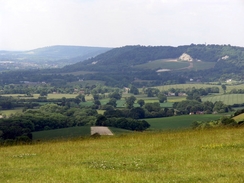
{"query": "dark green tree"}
{"type": "Point", "coordinates": [130, 101]}
{"type": "Point", "coordinates": [141, 102]}
{"type": "Point", "coordinates": [224, 87]}
{"type": "Point", "coordinates": [134, 90]}
{"type": "Point", "coordinates": [162, 98]}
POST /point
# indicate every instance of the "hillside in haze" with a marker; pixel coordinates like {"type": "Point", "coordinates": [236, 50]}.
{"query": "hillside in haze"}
{"type": "Point", "coordinates": [133, 57]}
{"type": "Point", "coordinates": [141, 65]}
{"type": "Point", "coordinates": [48, 57]}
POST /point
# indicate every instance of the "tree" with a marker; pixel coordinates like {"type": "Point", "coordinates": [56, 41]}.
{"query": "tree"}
{"type": "Point", "coordinates": [101, 119]}
{"type": "Point", "coordinates": [134, 90]}
{"type": "Point", "coordinates": [79, 98]}
{"type": "Point", "coordinates": [162, 98]}
{"type": "Point", "coordinates": [95, 97]}
{"type": "Point", "coordinates": [43, 93]}
{"type": "Point", "coordinates": [137, 113]}
{"type": "Point", "coordinates": [141, 102]}
{"type": "Point", "coordinates": [130, 101]}
{"type": "Point", "coordinates": [115, 95]}
{"type": "Point", "coordinates": [112, 102]}
{"type": "Point", "coordinates": [224, 87]}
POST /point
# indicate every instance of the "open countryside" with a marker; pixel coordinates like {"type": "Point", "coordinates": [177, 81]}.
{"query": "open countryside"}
{"type": "Point", "coordinates": [158, 123]}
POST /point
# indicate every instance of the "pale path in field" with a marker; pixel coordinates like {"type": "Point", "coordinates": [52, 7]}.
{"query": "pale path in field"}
{"type": "Point", "coordinates": [100, 130]}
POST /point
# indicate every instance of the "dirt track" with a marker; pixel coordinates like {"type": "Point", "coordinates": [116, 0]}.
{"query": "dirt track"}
{"type": "Point", "coordinates": [100, 130]}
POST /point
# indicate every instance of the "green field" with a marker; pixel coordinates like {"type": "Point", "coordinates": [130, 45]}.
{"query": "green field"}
{"type": "Point", "coordinates": [179, 122]}
{"type": "Point", "coordinates": [239, 117]}
{"type": "Point", "coordinates": [12, 111]}
{"type": "Point", "coordinates": [185, 86]}
{"type": "Point", "coordinates": [163, 64]}
{"type": "Point", "coordinates": [72, 132]}
{"type": "Point", "coordinates": [200, 85]}
{"type": "Point", "coordinates": [203, 65]}
{"type": "Point", "coordinates": [166, 123]}
{"type": "Point", "coordinates": [228, 99]}
{"type": "Point", "coordinates": [62, 133]}
{"type": "Point", "coordinates": [50, 96]}
{"type": "Point", "coordinates": [178, 156]}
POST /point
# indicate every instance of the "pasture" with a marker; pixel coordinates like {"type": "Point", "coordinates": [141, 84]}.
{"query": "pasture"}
{"type": "Point", "coordinates": [214, 155]}
{"type": "Point", "coordinates": [171, 64]}
{"type": "Point", "coordinates": [71, 133]}
{"type": "Point", "coordinates": [228, 99]}
{"type": "Point", "coordinates": [49, 96]}
{"type": "Point", "coordinates": [202, 65]}
{"type": "Point", "coordinates": [179, 122]}
{"type": "Point", "coordinates": [157, 124]}
{"type": "Point", "coordinates": [63, 133]}
{"type": "Point", "coordinates": [11, 111]}
{"type": "Point", "coordinates": [239, 117]}
{"type": "Point", "coordinates": [188, 85]}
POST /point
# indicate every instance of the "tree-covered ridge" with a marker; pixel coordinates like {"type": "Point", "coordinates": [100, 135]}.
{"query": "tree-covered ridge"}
{"type": "Point", "coordinates": [128, 56]}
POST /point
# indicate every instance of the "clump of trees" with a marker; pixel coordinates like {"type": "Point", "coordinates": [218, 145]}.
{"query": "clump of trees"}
{"type": "Point", "coordinates": [194, 106]}
{"type": "Point", "coordinates": [125, 123]}
{"type": "Point", "coordinates": [47, 117]}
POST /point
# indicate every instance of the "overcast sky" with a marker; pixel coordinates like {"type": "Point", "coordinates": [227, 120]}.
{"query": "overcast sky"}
{"type": "Point", "coordinates": [29, 24]}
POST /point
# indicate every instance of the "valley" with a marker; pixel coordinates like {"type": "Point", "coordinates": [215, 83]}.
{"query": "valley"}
{"type": "Point", "coordinates": [168, 112]}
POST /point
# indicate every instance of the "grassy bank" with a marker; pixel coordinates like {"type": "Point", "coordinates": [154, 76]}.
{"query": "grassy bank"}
{"type": "Point", "coordinates": [184, 156]}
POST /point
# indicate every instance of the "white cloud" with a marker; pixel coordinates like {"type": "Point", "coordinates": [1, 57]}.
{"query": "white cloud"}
{"type": "Point", "coordinates": [28, 24]}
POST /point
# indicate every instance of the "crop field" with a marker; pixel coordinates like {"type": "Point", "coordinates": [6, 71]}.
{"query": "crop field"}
{"type": "Point", "coordinates": [87, 82]}
{"type": "Point", "coordinates": [163, 64]}
{"type": "Point", "coordinates": [12, 111]}
{"type": "Point", "coordinates": [228, 99]}
{"type": "Point", "coordinates": [78, 73]}
{"type": "Point", "coordinates": [167, 123]}
{"type": "Point", "coordinates": [179, 122]}
{"type": "Point", "coordinates": [203, 65]}
{"type": "Point", "coordinates": [50, 96]}
{"type": "Point", "coordinates": [72, 132]}
{"type": "Point", "coordinates": [214, 155]}
{"type": "Point", "coordinates": [239, 117]}
{"type": "Point", "coordinates": [185, 86]}
{"type": "Point", "coordinates": [62, 133]}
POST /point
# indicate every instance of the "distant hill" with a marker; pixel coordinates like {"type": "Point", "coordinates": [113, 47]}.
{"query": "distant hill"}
{"type": "Point", "coordinates": [52, 55]}
{"type": "Point", "coordinates": [128, 57]}
{"type": "Point", "coordinates": [138, 65]}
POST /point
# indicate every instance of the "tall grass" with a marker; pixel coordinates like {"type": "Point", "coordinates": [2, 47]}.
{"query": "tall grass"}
{"type": "Point", "coordinates": [184, 156]}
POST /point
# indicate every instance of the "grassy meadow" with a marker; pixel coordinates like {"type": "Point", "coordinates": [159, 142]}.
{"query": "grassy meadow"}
{"type": "Point", "coordinates": [188, 156]}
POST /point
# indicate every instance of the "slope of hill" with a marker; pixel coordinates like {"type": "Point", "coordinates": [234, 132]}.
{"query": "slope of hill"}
{"type": "Point", "coordinates": [156, 65]}
{"type": "Point", "coordinates": [129, 56]}
{"type": "Point", "coordinates": [57, 56]}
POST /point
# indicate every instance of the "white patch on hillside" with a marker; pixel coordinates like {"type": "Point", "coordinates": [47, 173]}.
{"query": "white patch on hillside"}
{"type": "Point", "coordinates": [186, 57]}
{"type": "Point", "coordinates": [163, 70]}
{"type": "Point", "coordinates": [225, 57]}
{"type": "Point", "coordinates": [30, 53]}
{"type": "Point", "coordinates": [94, 62]}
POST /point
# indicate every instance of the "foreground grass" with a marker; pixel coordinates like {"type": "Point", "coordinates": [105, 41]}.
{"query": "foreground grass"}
{"type": "Point", "coordinates": [185, 156]}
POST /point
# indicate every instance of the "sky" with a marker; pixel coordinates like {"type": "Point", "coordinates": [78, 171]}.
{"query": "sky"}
{"type": "Point", "coordinates": [30, 24]}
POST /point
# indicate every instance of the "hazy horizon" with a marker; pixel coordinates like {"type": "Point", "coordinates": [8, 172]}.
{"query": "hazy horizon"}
{"type": "Point", "coordinates": [28, 24]}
